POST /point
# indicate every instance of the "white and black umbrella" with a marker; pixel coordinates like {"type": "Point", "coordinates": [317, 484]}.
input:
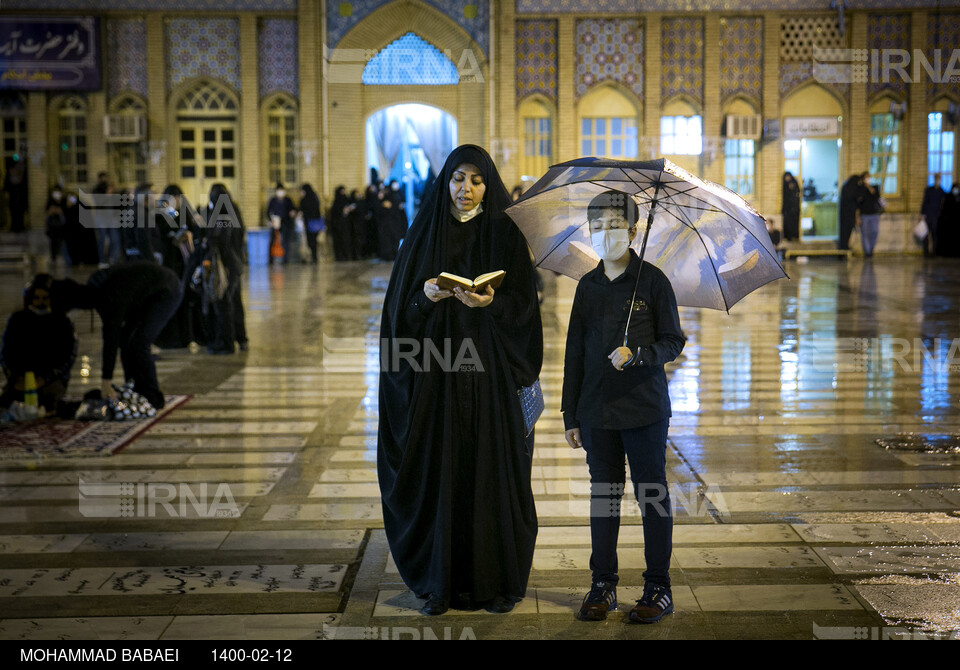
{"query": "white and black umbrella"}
{"type": "Point", "coordinates": [709, 242]}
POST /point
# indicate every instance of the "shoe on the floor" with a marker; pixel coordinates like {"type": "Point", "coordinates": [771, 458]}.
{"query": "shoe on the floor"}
{"type": "Point", "coordinates": [656, 603]}
{"type": "Point", "coordinates": [601, 600]}
{"type": "Point", "coordinates": [500, 605]}
{"type": "Point", "coordinates": [435, 606]}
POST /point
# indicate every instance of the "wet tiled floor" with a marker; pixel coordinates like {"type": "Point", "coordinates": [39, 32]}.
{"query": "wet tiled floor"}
{"type": "Point", "coordinates": [792, 522]}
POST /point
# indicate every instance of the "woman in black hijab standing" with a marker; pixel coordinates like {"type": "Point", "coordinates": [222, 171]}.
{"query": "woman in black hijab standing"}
{"type": "Point", "coordinates": [791, 208]}
{"type": "Point", "coordinates": [453, 460]}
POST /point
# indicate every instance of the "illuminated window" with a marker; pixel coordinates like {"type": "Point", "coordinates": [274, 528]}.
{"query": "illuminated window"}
{"type": "Point", "coordinates": [612, 137]}
{"type": "Point", "coordinates": [409, 61]}
{"type": "Point", "coordinates": [738, 166]}
{"type": "Point", "coordinates": [884, 152]}
{"type": "Point", "coordinates": [940, 152]}
{"type": "Point", "coordinates": [681, 135]}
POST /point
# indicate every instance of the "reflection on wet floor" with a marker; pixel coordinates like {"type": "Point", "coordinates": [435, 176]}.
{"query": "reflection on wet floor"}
{"type": "Point", "coordinates": [812, 457]}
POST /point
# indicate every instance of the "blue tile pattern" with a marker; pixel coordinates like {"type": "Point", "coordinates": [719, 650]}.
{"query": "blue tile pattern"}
{"type": "Point", "coordinates": [609, 50]}
{"type": "Point", "coordinates": [279, 66]}
{"type": "Point", "coordinates": [127, 56]}
{"type": "Point", "coordinates": [536, 64]}
{"type": "Point", "coordinates": [682, 58]}
{"type": "Point", "coordinates": [741, 58]}
{"type": "Point", "coordinates": [203, 47]}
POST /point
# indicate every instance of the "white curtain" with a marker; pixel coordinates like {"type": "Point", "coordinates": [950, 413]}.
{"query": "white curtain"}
{"type": "Point", "coordinates": [388, 127]}
{"type": "Point", "coordinates": [437, 133]}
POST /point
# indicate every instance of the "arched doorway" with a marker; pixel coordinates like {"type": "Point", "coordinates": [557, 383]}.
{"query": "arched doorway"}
{"type": "Point", "coordinates": [812, 148]}
{"type": "Point", "coordinates": [207, 140]}
{"type": "Point", "coordinates": [409, 143]}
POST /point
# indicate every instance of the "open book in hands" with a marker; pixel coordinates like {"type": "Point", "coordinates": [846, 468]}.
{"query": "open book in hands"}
{"type": "Point", "coordinates": [448, 282]}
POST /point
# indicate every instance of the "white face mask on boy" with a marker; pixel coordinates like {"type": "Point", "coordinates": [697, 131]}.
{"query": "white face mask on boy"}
{"type": "Point", "coordinates": [611, 244]}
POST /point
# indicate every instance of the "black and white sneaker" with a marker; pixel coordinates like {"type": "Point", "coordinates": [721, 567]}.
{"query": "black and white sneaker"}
{"type": "Point", "coordinates": [657, 602]}
{"type": "Point", "coordinates": [601, 599]}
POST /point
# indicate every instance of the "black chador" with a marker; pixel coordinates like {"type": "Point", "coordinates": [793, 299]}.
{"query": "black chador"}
{"type": "Point", "coordinates": [453, 462]}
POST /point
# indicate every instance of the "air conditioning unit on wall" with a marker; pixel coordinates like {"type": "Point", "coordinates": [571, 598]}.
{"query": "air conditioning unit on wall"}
{"type": "Point", "coordinates": [743, 127]}
{"type": "Point", "coordinates": [124, 127]}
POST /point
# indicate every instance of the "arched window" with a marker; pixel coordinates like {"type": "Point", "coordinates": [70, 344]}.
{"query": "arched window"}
{"type": "Point", "coordinates": [681, 130]}
{"type": "Point", "coordinates": [885, 147]}
{"type": "Point", "coordinates": [536, 122]}
{"type": "Point", "coordinates": [608, 124]}
{"type": "Point", "coordinates": [282, 133]}
{"type": "Point", "coordinates": [207, 130]}
{"type": "Point", "coordinates": [739, 153]}
{"type": "Point", "coordinates": [127, 140]}
{"type": "Point", "coordinates": [72, 141]}
{"type": "Point", "coordinates": [410, 60]}
{"type": "Point", "coordinates": [941, 145]}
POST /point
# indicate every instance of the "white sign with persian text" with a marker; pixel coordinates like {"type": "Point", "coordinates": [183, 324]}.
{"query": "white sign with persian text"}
{"type": "Point", "coordinates": [811, 126]}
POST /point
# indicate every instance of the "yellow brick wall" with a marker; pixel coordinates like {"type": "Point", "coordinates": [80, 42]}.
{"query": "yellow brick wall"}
{"type": "Point", "coordinates": [251, 198]}
{"type": "Point", "coordinates": [332, 114]}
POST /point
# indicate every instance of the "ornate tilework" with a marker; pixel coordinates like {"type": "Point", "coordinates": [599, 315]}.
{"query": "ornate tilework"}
{"type": "Point", "coordinates": [155, 5]}
{"type": "Point", "coordinates": [473, 16]}
{"type": "Point", "coordinates": [638, 6]}
{"type": "Point", "coordinates": [278, 59]}
{"type": "Point", "coordinates": [741, 58]}
{"type": "Point", "coordinates": [536, 58]}
{"type": "Point", "coordinates": [682, 59]}
{"type": "Point", "coordinates": [203, 46]}
{"type": "Point", "coordinates": [127, 62]}
{"type": "Point", "coordinates": [888, 32]}
{"type": "Point", "coordinates": [609, 50]}
{"type": "Point", "coordinates": [793, 75]}
{"type": "Point", "coordinates": [942, 34]}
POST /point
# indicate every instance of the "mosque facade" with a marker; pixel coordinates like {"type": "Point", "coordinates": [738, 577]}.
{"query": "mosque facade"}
{"type": "Point", "coordinates": [254, 92]}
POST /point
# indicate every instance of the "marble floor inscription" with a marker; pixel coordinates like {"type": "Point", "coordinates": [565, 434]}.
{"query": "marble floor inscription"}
{"type": "Point", "coordinates": [791, 521]}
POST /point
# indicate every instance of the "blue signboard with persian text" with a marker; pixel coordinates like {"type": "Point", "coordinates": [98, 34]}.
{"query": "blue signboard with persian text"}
{"type": "Point", "coordinates": [40, 53]}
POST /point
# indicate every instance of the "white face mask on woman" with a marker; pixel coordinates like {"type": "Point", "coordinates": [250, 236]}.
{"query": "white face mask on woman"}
{"type": "Point", "coordinates": [611, 244]}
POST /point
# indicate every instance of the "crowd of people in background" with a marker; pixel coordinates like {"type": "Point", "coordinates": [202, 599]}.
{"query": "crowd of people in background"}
{"type": "Point", "coordinates": [367, 225]}
{"type": "Point", "coordinates": [356, 226]}
{"type": "Point", "coordinates": [206, 249]}
{"type": "Point", "coordinates": [940, 211]}
{"type": "Point", "coordinates": [860, 206]}
{"type": "Point", "coordinates": [169, 276]}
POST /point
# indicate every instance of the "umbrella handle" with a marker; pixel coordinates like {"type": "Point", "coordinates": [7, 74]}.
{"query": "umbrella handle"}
{"type": "Point", "coordinates": [643, 250]}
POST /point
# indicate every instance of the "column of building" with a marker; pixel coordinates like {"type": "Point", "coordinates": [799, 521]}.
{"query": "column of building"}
{"type": "Point", "coordinates": [159, 165]}
{"type": "Point", "coordinates": [712, 113]}
{"type": "Point", "coordinates": [913, 169]}
{"type": "Point", "coordinates": [505, 66]}
{"type": "Point", "coordinates": [252, 197]}
{"type": "Point", "coordinates": [311, 108]}
{"type": "Point", "coordinates": [653, 84]}
{"type": "Point", "coordinates": [769, 165]}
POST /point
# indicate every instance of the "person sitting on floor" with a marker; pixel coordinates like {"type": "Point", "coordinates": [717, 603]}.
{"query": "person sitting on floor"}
{"type": "Point", "coordinates": [38, 340]}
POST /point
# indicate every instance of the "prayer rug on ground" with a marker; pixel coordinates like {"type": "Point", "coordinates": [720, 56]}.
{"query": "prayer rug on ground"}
{"type": "Point", "coordinates": [57, 438]}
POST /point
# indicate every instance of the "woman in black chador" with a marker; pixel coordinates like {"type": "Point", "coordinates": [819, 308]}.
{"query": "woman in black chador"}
{"type": "Point", "coordinates": [791, 208]}
{"type": "Point", "coordinates": [453, 462]}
